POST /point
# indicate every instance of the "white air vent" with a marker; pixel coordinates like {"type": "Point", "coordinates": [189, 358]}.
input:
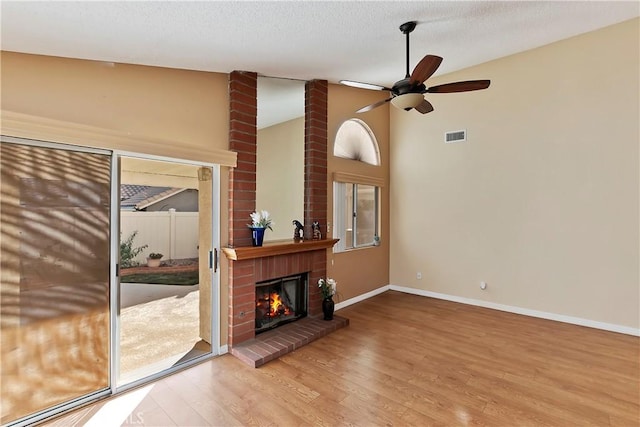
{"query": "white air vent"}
{"type": "Point", "coordinates": [455, 136]}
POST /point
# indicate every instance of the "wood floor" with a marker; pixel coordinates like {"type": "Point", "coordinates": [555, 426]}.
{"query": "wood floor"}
{"type": "Point", "coordinates": [407, 361]}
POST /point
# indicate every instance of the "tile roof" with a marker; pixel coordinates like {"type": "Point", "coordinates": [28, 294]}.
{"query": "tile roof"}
{"type": "Point", "coordinates": [135, 196]}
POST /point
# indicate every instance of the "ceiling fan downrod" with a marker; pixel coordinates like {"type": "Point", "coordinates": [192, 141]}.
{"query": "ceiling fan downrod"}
{"type": "Point", "coordinates": [406, 29]}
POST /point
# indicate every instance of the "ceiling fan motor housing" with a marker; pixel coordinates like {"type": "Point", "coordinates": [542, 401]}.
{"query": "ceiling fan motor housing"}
{"type": "Point", "coordinates": [404, 86]}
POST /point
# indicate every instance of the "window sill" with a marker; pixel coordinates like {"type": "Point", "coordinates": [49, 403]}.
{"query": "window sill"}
{"type": "Point", "coordinates": [355, 249]}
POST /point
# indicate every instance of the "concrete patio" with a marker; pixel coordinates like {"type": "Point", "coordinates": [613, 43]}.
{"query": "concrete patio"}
{"type": "Point", "coordinates": [159, 326]}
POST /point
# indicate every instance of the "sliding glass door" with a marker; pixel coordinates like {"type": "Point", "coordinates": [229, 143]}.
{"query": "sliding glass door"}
{"type": "Point", "coordinates": [164, 306]}
{"type": "Point", "coordinates": [54, 276]}
{"type": "Point", "coordinates": [73, 325]}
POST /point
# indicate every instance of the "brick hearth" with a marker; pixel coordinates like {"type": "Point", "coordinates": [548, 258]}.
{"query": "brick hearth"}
{"type": "Point", "coordinates": [285, 339]}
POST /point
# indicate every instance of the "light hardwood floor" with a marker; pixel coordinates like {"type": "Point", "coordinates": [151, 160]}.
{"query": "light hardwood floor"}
{"type": "Point", "coordinates": [406, 360]}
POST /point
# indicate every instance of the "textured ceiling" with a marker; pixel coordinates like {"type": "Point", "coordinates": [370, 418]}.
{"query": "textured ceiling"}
{"type": "Point", "coordinates": [353, 40]}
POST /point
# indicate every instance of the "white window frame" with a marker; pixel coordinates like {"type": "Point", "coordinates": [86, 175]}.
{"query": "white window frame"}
{"type": "Point", "coordinates": [340, 209]}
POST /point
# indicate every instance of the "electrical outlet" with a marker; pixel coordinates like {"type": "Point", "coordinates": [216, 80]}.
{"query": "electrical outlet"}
{"type": "Point", "coordinates": [418, 275]}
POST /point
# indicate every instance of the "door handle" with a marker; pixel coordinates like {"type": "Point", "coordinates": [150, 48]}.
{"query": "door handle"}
{"type": "Point", "coordinates": [213, 259]}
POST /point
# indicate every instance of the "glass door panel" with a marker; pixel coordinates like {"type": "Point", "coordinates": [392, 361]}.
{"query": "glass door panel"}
{"type": "Point", "coordinates": [164, 312]}
{"type": "Point", "coordinates": [54, 277]}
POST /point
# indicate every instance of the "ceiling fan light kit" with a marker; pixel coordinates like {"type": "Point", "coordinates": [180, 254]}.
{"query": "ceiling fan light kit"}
{"type": "Point", "coordinates": [407, 101]}
{"type": "Point", "coordinates": [408, 93]}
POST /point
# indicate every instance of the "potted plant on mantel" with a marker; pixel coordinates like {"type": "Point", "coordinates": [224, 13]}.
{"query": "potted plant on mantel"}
{"type": "Point", "coordinates": [153, 260]}
{"type": "Point", "coordinates": [260, 221]}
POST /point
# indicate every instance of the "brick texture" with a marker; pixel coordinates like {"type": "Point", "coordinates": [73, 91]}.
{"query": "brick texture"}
{"type": "Point", "coordinates": [243, 109]}
{"type": "Point", "coordinates": [315, 154]}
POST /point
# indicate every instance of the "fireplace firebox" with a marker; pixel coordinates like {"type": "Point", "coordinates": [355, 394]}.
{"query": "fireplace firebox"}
{"type": "Point", "coordinates": [280, 301]}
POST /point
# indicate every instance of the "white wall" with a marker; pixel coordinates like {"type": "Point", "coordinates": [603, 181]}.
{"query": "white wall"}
{"type": "Point", "coordinates": [542, 201]}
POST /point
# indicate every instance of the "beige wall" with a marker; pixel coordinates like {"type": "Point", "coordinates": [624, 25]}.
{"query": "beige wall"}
{"type": "Point", "coordinates": [542, 200]}
{"type": "Point", "coordinates": [185, 111]}
{"type": "Point", "coordinates": [280, 176]}
{"type": "Point", "coordinates": [186, 107]}
{"type": "Point", "coordinates": [361, 270]}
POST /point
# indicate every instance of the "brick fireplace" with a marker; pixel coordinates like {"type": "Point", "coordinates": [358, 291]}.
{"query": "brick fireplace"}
{"type": "Point", "coordinates": [248, 272]}
{"type": "Point", "coordinates": [248, 265]}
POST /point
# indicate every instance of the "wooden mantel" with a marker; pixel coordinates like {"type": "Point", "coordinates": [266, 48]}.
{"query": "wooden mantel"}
{"type": "Point", "coordinates": [277, 248]}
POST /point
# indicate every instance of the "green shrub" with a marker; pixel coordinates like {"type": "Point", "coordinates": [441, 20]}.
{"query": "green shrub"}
{"type": "Point", "coordinates": [128, 252]}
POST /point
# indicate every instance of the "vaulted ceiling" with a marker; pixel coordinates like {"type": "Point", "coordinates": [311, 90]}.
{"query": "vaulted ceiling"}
{"type": "Point", "coordinates": [355, 40]}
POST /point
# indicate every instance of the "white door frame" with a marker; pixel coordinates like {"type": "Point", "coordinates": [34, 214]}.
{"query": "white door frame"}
{"type": "Point", "coordinates": [115, 255]}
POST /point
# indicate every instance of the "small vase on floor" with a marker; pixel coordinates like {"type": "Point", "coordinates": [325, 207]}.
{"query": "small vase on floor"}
{"type": "Point", "coordinates": [257, 235]}
{"type": "Point", "coordinates": [327, 308]}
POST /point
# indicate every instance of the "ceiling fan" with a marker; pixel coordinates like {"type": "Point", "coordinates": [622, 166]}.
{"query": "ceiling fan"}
{"type": "Point", "coordinates": [408, 92]}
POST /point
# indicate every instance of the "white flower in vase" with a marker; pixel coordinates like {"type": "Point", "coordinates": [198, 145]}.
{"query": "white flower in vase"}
{"type": "Point", "coordinates": [261, 219]}
{"type": "Point", "coordinates": [328, 287]}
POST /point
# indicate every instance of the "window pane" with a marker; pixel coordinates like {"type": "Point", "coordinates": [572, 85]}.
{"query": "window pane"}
{"type": "Point", "coordinates": [348, 217]}
{"type": "Point", "coordinates": [366, 215]}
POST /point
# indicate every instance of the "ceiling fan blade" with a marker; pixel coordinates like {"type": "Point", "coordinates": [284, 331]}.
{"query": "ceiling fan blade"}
{"type": "Point", "coordinates": [360, 85]}
{"type": "Point", "coordinates": [425, 69]}
{"type": "Point", "coordinates": [424, 107]}
{"type": "Point", "coordinates": [460, 86]}
{"type": "Point", "coordinates": [374, 105]}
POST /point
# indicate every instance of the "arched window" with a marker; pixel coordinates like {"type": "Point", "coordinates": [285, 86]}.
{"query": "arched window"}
{"type": "Point", "coordinates": [356, 198]}
{"type": "Point", "coordinates": [355, 140]}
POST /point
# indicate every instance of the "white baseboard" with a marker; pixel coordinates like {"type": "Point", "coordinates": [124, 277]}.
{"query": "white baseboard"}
{"type": "Point", "coordinates": [362, 297]}
{"type": "Point", "coordinates": [223, 349]}
{"type": "Point", "coordinates": [519, 310]}
{"type": "Point", "coordinates": [495, 306]}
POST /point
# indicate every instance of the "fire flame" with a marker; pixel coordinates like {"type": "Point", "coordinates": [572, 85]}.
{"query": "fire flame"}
{"type": "Point", "coordinates": [277, 306]}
